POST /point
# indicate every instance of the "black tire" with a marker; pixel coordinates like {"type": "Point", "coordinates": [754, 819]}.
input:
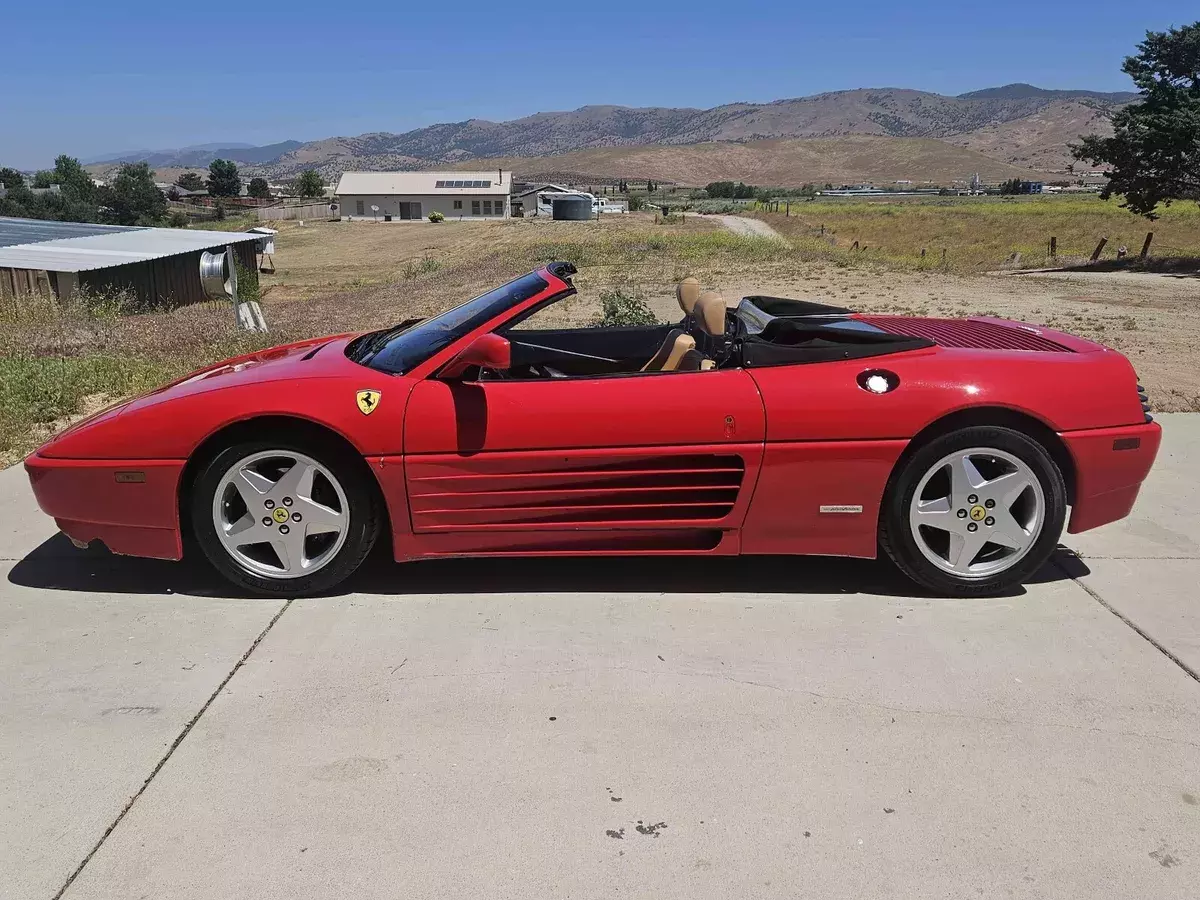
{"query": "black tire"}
{"type": "Point", "coordinates": [364, 513]}
{"type": "Point", "coordinates": [895, 534]}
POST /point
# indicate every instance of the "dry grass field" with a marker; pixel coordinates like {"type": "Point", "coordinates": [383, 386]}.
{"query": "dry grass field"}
{"type": "Point", "coordinates": [980, 234]}
{"type": "Point", "coordinates": [332, 277]}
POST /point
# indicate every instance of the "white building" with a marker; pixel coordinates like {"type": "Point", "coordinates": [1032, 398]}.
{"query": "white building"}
{"type": "Point", "coordinates": [414, 195]}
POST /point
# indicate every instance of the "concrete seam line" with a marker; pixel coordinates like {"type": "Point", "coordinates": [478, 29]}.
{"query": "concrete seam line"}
{"type": "Point", "coordinates": [1192, 673]}
{"type": "Point", "coordinates": [170, 750]}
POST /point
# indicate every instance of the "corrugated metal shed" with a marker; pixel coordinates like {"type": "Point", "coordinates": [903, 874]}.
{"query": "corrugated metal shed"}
{"type": "Point", "coordinates": [422, 183]}
{"type": "Point", "coordinates": [29, 231]}
{"type": "Point", "coordinates": [99, 246]}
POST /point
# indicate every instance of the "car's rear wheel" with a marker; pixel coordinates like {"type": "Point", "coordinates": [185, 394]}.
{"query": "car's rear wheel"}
{"type": "Point", "coordinates": [974, 512]}
{"type": "Point", "coordinates": [284, 518]}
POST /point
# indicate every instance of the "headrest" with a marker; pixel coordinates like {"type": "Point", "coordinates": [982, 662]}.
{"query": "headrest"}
{"type": "Point", "coordinates": [687, 292]}
{"type": "Point", "coordinates": [710, 313]}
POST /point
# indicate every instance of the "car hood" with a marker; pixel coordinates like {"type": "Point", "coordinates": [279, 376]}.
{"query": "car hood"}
{"type": "Point", "coordinates": [316, 358]}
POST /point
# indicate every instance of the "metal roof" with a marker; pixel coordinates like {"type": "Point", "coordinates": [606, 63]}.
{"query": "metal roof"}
{"type": "Point", "coordinates": [421, 183]}
{"type": "Point", "coordinates": [29, 231]}
{"type": "Point", "coordinates": [72, 247]}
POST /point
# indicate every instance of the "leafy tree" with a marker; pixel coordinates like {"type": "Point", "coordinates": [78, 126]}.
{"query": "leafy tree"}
{"type": "Point", "coordinates": [1154, 153]}
{"type": "Point", "coordinates": [132, 198]}
{"type": "Point", "coordinates": [223, 180]}
{"type": "Point", "coordinates": [259, 189]}
{"type": "Point", "coordinates": [11, 178]}
{"type": "Point", "coordinates": [74, 179]}
{"type": "Point", "coordinates": [191, 181]}
{"type": "Point", "coordinates": [43, 179]}
{"type": "Point", "coordinates": [310, 184]}
{"type": "Point", "coordinates": [720, 189]}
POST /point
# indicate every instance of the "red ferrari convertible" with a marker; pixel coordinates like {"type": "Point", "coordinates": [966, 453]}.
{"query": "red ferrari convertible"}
{"type": "Point", "coordinates": [779, 426]}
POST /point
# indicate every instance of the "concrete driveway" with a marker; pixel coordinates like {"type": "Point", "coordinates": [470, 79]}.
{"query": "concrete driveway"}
{"type": "Point", "coordinates": [660, 729]}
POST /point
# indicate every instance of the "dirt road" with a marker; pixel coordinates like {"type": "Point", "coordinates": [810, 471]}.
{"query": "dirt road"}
{"type": "Point", "coordinates": [750, 227]}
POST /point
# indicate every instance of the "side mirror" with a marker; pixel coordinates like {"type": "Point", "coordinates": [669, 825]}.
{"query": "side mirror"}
{"type": "Point", "coordinates": [489, 351]}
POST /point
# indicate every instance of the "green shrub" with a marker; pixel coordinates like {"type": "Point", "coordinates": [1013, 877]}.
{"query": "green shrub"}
{"type": "Point", "coordinates": [619, 307]}
{"type": "Point", "coordinates": [247, 282]}
{"type": "Point", "coordinates": [423, 266]}
{"type": "Point", "coordinates": [636, 202]}
{"type": "Point", "coordinates": [436, 216]}
{"type": "Point", "coordinates": [177, 219]}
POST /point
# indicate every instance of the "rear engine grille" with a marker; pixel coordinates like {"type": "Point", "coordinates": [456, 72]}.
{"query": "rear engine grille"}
{"type": "Point", "coordinates": [1145, 398]}
{"type": "Point", "coordinates": [967, 333]}
{"type": "Point", "coordinates": [551, 490]}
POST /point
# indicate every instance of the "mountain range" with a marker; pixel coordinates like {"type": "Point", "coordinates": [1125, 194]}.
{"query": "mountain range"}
{"type": "Point", "coordinates": [1018, 125]}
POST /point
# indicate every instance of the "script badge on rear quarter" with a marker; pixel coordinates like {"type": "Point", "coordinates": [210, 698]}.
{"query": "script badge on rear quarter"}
{"type": "Point", "coordinates": [367, 401]}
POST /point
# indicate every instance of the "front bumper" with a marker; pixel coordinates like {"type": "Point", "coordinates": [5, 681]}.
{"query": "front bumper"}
{"type": "Point", "coordinates": [1110, 466]}
{"type": "Point", "coordinates": [130, 505]}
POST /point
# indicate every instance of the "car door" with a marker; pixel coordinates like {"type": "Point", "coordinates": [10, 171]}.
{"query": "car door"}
{"type": "Point", "coordinates": [657, 461]}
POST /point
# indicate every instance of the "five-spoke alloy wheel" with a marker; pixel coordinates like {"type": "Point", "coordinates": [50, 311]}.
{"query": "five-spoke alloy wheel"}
{"type": "Point", "coordinates": [280, 514]}
{"type": "Point", "coordinates": [975, 511]}
{"type": "Point", "coordinates": [284, 518]}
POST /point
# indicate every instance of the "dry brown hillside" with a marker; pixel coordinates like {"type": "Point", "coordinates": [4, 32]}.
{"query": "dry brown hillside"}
{"type": "Point", "coordinates": [1040, 141]}
{"type": "Point", "coordinates": [778, 163]}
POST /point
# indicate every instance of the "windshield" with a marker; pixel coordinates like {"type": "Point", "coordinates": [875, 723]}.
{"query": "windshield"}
{"type": "Point", "coordinates": [409, 344]}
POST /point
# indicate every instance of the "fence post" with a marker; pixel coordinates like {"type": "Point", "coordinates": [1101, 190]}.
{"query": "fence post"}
{"type": "Point", "coordinates": [1099, 249]}
{"type": "Point", "coordinates": [1146, 246]}
{"type": "Point", "coordinates": [787, 209]}
{"type": "Point", "coordinates": [1053, 247]}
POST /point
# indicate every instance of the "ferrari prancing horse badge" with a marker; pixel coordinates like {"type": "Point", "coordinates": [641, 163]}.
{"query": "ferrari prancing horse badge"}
{"type": "Point", "coordinates": [367, 401]}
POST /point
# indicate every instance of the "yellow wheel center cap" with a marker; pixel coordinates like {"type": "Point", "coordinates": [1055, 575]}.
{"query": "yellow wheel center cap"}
{"type": "Point", "coordinates": [281, 515]}
{"type": "Point", "coordinates": [978, 513]}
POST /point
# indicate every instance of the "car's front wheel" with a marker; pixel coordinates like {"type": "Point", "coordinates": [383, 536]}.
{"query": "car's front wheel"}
{"type": "Point", "coordinates": [974, 512]}
{"type": "Point", "coordinates": [286, 518]}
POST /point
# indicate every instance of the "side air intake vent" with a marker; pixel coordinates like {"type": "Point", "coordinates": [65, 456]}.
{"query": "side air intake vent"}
{"type": "Point", "coordinates": [552, 491]}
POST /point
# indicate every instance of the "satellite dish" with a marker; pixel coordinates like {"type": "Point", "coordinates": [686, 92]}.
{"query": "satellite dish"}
{"type": "Point", "coordinates": [374, 208]}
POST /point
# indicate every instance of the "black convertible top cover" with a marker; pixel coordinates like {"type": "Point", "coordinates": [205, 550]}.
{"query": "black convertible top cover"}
{"type": "Point", "coordinates": [786, 342]}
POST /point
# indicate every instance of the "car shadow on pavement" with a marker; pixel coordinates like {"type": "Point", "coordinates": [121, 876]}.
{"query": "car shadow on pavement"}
{"type": "Point", "coordinates": [57, 565]}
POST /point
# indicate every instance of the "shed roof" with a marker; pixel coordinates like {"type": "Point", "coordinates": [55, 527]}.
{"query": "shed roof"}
{"type": "Point", "coordinates": [422, 183]}
{"type": "Point", "coordinates": [74, 247]}
{"type": "Point", "coordinates": [28, 231]}
{"type": "Point", "coordinates": [544, 186]}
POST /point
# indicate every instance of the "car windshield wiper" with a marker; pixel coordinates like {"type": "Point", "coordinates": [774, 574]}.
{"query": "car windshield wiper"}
{"type": "Point", "coordinates": [374, 341]}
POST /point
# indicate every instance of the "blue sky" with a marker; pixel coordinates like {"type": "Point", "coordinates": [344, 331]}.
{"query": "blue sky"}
{"type": "Point", "coordinates": [89, 78]}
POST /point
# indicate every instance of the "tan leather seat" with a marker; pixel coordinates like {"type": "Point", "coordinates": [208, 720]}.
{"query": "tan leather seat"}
{"type": "Point", "coordinates": [710, 314]}
{"type": "Point", "coordinates": [687, 292]}
{"type": "Point", "coordinates": [671, 353]}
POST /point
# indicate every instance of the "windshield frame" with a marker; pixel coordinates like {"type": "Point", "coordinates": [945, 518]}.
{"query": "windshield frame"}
{"type": "Point", "coordinates": [403, 349]}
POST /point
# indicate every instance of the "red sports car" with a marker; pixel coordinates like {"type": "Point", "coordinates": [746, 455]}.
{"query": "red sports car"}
{"type": "Point", "coordinates": [779, 426]}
